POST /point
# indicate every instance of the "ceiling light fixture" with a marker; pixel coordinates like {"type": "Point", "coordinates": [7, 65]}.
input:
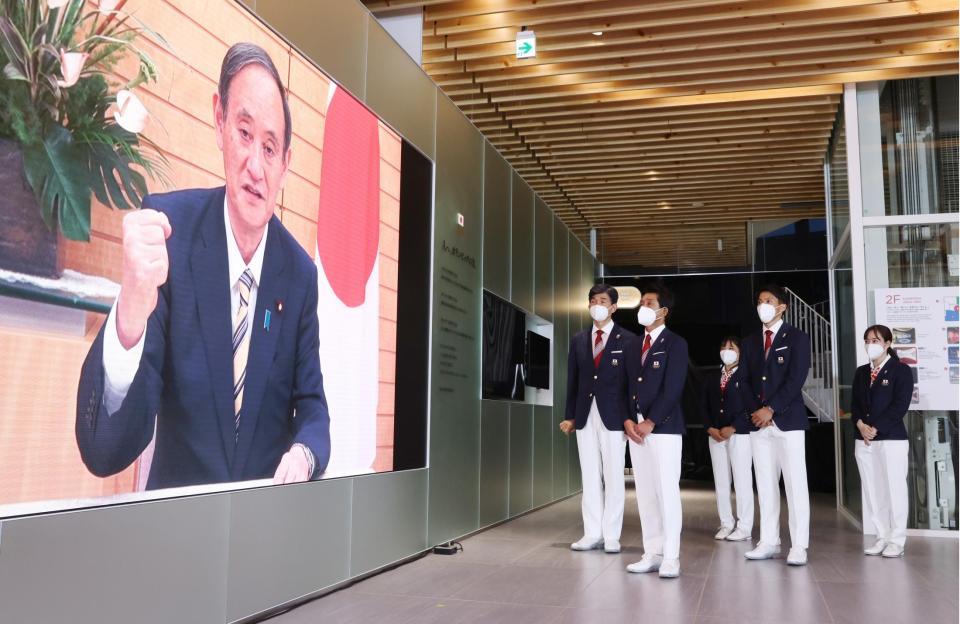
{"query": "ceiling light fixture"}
{"type": "Point", "coordinates": [597, 33]}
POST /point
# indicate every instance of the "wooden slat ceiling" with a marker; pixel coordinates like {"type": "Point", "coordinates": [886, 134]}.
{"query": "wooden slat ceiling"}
{"type": "Point", "coordinates": [684, 119]}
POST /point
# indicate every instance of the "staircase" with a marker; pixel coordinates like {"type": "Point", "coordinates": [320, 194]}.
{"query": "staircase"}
{"type": "Point", "coordinates": [818, 389]}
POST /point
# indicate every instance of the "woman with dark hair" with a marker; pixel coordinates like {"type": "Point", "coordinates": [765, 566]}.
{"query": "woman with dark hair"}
{"type": "Point", "coordinates": [727, 420]}
{"type": "Point", "coordinates": [882, 390]}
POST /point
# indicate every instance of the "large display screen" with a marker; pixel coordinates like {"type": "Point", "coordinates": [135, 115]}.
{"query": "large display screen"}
{"type": "Point", "coordinates": [236, 235]}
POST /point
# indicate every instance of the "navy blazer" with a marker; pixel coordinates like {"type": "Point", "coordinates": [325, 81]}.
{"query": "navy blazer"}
{"type": "Point", "coordinates": [884, 404]}
{"type": "Point", "coordinates": [606, 383]}
{"type": "Point", "coordinates": [184, 384]}
{"type": "Point", "coordinates": [728, 408]}
{"type": "Point", "coordinates": [657, 388]}
{"type": "Point", "coordinates": [777, 381]}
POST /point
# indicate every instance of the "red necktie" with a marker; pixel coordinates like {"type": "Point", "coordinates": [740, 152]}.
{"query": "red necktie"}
{"type": "Point", "coordinates": [724, 378]}
{"type": "Point", "coordinates": [643, 351]}
{"type": "Point", "coordinates": [873, 375]}
{"type": "Point", "coordinates": [598, 349]}
{"type": "Point", "coordinates": [767, 342]}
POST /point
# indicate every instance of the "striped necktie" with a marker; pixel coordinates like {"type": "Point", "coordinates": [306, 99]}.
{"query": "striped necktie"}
{"type": "Point", "coordinates": [241, 345]}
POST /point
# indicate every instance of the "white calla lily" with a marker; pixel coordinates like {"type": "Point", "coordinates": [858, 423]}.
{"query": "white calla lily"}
{"type": "Point", "coordinates": [131, 114]}
{"type": "Point", "coordinates": [71, 64]}
{"type": "Point", "coordinates": [107, 6]}
{"type": "Point", "coordinates": [56, 4]}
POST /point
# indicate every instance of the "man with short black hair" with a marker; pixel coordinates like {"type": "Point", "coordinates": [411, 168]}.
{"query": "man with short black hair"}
{"type": "Point", "coordinates": [775, 363]}
{"type": "Point", "coordinates": [213, 342]}
{"type": "Point", "coordinates": [597, 373]}
{"type": "Point", "coordinates": [655, 428]}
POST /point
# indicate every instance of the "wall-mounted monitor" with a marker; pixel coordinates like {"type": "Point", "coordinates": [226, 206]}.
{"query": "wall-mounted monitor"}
{"type": "Point", "coordinates": [281, 334]}
{"type": "Point", "coordinates": [538, 361]}
{"type": "Point", "coordinates": [504, 327]}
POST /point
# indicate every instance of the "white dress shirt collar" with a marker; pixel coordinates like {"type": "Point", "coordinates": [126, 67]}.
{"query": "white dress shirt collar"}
{"type": "Point", "coordinates": [775, 328]}
{"type": "Point", "coordinates": [606, 329]}
{"type": "Point", "coordinates": [236, 265]}
{"type": "Point", "coordinates": [655, 334]}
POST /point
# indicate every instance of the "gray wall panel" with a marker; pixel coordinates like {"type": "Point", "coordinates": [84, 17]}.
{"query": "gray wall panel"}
{"type": "Point", "coordinates": [494, 461]}
{"type": "Point", "coordinates": [389, 72]}
{"type": "Point", "coordinates": [561, 346]}
{"type": "Point", "coordinates": [335, 40]}
{"type": "Point", "coordinates": [455, 395]}
{"type": "Point", "coordinates": [497, 184]}
{"type": "Point", "coordinates": [543, 260]}
{"type": "Point", "coordinates": [521, 244]}
{"type": "Point", "coordinates": [151, 562]}
{"type": "Point", "coordinates": [521, 458]}
{"type": "Point", "coordinates": [389, 519]}
{"type": "Point", "coordinates": [542, 455]}
{"type": "Point", "coordinates": [286, 542]}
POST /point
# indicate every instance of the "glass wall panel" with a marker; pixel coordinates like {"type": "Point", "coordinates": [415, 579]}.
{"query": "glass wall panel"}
{"type": "Point", "coordinates": [839, 207]}
{"type": "Point", "coordinates": [918, 256]}
{"type": "Point", "coordinates": [918, 121]}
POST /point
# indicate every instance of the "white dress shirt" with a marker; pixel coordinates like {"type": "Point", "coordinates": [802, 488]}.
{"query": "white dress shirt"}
{"type": "Point", "coordinates": [120, 365]}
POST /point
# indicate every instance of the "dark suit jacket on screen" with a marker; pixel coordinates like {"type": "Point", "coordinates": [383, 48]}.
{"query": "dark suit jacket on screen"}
{"type": "Point", "coordinates": [184, 383]}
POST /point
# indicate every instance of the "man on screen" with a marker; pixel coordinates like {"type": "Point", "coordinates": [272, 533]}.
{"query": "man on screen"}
{"type": "Point", "coordinates": [213, 340]}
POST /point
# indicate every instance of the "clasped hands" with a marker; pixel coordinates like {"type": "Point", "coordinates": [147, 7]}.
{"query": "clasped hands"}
{"type": "Point", "coordinates": [721, 435]}
{"type": "Point", "coordinates": [638, 431]}
{"type": "Point", "coordinates": [763, 417]}
{"type": "Point", "coordinates": [868, 432]}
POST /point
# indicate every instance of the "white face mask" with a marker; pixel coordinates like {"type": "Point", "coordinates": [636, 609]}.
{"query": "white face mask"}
{"type": "Point", "coordinates": [646, 316]}
{"type": "Point", "coordinates": [599, 313]}
{"type": "Point", "coordinates": [766, 312]}
{"type": "Point", "coordinates": [875, 351]}
{"type": "Point", "coordinates": [729, 357]}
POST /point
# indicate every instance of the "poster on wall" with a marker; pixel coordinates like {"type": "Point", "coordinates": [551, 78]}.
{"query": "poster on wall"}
{"type": "Point", "coordinates": [926, 336]}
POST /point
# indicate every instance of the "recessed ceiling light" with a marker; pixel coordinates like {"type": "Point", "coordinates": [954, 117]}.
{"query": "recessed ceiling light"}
{"type": "Point", "coordinates": [597, 33]}
{"type": "Point", "coordinates": [697, 204]}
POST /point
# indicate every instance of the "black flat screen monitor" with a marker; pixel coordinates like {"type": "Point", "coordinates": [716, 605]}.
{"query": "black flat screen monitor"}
{"type": "Point", "coordinates": [538, 361]}
{"type": "Point", "coordinates": [503, 349]}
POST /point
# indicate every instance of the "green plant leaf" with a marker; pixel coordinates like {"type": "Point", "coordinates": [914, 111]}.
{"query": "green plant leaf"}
{"type": "Point", "coordinates": [57, 171]}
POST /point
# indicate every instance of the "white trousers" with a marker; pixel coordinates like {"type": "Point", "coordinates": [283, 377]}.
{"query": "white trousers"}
{"type": "Point", "coordinates": [883, 480]}
{"type": "Point", "coordinates": [733, 455]}
{"type": "Point", "coordinates": [656, 474]}
{"type": "Point", "coordinates": [776, 452]}
{"type": "Point", "coordinates": [602, 459]}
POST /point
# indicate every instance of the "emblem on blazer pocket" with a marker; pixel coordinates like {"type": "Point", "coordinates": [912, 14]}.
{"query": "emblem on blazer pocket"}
{"type": "Point", "coordinates": [780, 359]}
{"type": "Point", "coordinates": [656, 364]}
{"type": "Point", "coordinates": [885, 382]}
{"type": "Point", "coordinates": [615, 362]}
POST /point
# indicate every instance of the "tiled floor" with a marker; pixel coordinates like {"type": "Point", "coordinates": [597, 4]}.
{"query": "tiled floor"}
{"type": "Point", "coordinates": [524, 571]}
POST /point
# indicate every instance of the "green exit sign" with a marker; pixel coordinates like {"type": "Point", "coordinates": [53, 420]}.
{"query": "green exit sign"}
{"type": "Point", "coordinates": [526, 44]}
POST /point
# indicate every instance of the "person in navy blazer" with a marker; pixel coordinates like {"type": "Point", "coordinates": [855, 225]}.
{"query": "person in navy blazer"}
{"type": "Point", "coordinates": [185, 344]}
{"type": "Point", "coordinates": [882, 393]}
{"type": "Point", "coordinates": [775, 362]}
{"type": "Point", "coordinates": [655, 429]}
{"type": "Point", "coordinates": [723, 406]}
{"type": "Point", "coordinates": [597, 405]}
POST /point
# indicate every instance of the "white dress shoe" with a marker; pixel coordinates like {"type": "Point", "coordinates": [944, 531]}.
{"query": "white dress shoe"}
{"type": "Point", "coordinates": [892, 551]}
{"type": "Point", "coordinates": [763, 551]}
{"type": "Point", "coordinates": [649, 563]}
{"type": "Point", "coordinates": [723, 533]}
{"type": "Point", "coordinates": [876, 549]}
{"type": "Point", "coordinates": [586, 543]}
{"type": "Point", "coordinates": [611, 546]}
{"type": "Point", "coordinates": [670, 568]}
{"type": "Point", "coordinates": [739, 536]}
{"type": "Point", "coordinates": [797, 556]}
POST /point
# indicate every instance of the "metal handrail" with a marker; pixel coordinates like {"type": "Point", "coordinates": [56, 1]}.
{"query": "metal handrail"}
{"type": "Point", "coordinates": [817, 390]}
